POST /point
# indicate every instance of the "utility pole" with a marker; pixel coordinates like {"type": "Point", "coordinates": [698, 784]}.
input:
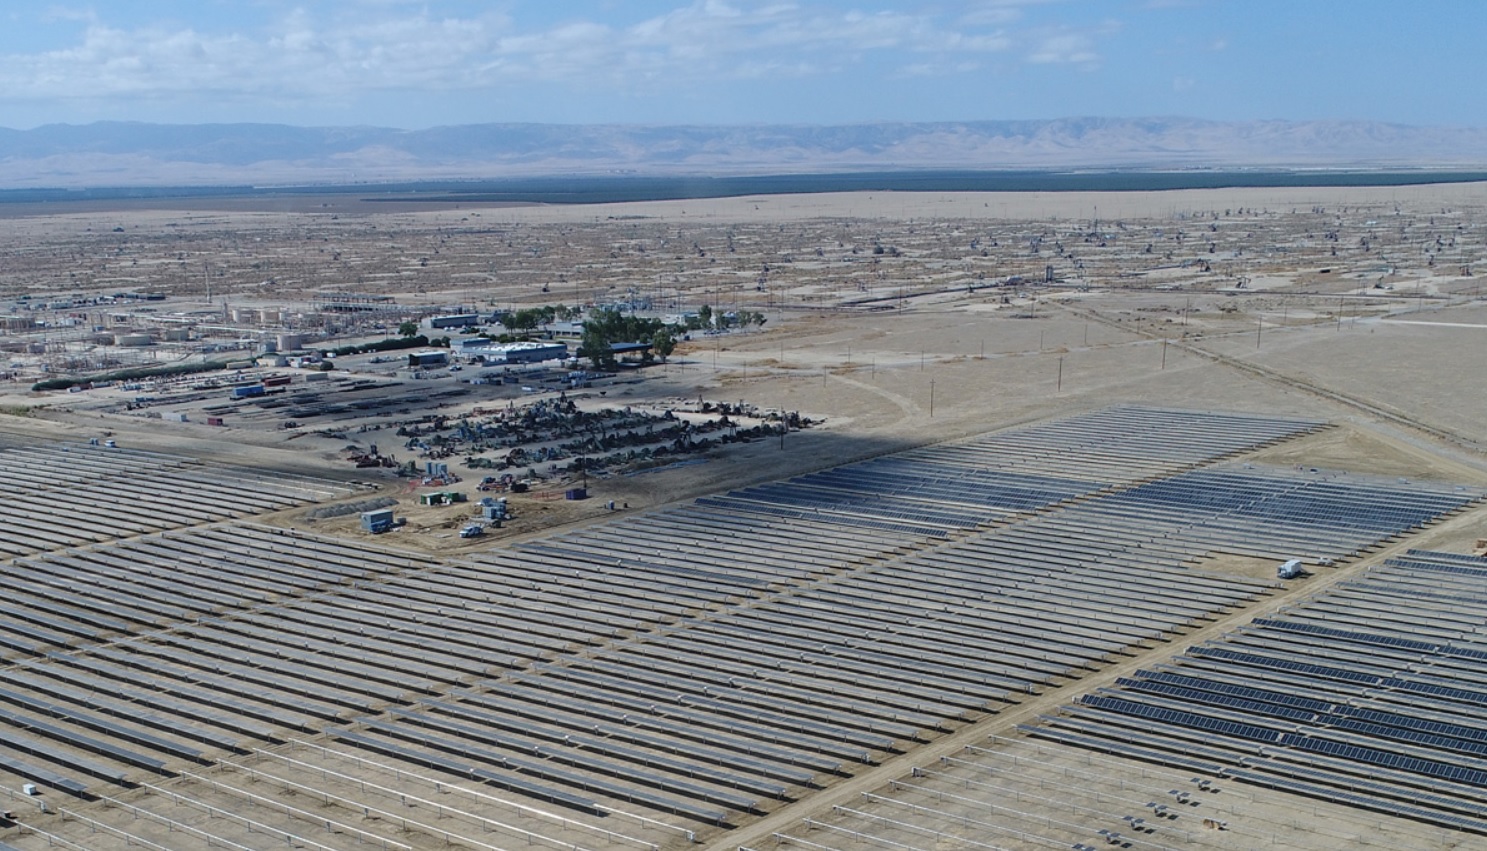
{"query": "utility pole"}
{"type": "Point", "coordinates": [931, 398]}
{"type": "Point", "coordinates": [1058, 387]}
{"type": "Point", "coordinates": [1164, 353]}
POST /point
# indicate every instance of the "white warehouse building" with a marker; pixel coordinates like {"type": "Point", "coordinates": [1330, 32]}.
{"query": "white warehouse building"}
{"type": "Point", "coordinates": [529, 351]}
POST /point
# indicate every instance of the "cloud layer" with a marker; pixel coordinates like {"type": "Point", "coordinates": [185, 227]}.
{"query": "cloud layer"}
{"type": "Point", "coordinates": [349, 48]}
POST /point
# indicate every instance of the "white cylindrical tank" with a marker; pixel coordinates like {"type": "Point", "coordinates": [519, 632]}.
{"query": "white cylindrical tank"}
{"type": "Point", "coordinates": [291, 342]}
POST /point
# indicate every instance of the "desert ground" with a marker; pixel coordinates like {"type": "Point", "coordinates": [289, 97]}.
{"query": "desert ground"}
{"type": "Point", "coordinates": [896, 322]}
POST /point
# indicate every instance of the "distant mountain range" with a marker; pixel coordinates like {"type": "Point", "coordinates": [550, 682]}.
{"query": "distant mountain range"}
{"type": "Point", "coordinates": [134, 154]}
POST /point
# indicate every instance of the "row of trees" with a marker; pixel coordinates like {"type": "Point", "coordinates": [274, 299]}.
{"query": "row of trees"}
{"type": "Point", "coordinates": [393, 344]}
{"type": "Point", "coordinates": [524, 319]}
{"type": "Point", "coordinates": [136, 373]}
{"type": "Point", "coordinates": [530, 318]}
{"type": "Point", "coordinates": [606, 327]}
{"type": "Point", "coordinates": [706, 318]}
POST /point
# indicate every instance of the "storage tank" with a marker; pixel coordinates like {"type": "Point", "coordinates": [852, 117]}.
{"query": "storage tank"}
{"type": "Point", "coordinates": [133, 339]}
{"type": "Point", "coordinates": [291, 342]}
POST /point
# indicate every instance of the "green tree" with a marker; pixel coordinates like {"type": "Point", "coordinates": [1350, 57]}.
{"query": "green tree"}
{"type": "Point", "coordinates": [604, 328]}
{"type": "Point", "coordinates": [663, 342]}
{"type": "Point", "coordinates": [525, 319]}
{"type": "Point", "coordinates": [408, 329]}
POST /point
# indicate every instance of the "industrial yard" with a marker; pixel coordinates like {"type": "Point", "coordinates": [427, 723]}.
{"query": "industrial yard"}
{"type": "Point", "coordinates": [972, 544]}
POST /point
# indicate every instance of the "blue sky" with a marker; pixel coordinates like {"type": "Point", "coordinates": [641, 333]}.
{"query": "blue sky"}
{"type": "Point", "coordinates": [401, 63]}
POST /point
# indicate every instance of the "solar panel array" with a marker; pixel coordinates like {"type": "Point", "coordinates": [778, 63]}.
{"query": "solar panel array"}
{"type": "Point", "coordinates": [58, 495]}
{"type": "Point", "coordinates": [1261, 510]}
{"type": "Point", "coordinates": [1021, 792]}
{"type": "Point", "coordinates": [680, 669]}
{"type": "Point", "coordinates": [791, 625]}
{"type": "Point", "coordinates": [1373, 693]}
{"type": "Point", "coordinates": [936, 490]}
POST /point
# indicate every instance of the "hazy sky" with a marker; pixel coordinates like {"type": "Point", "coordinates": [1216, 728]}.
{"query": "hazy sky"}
{"type": "Point", "coordinates": [401, 63]}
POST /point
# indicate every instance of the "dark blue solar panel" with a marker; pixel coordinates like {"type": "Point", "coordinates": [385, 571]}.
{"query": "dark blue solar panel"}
{"type": "Point", "coordinates": [1387, 759]}
{"type": "Point", "coordinates": [1253, 732]}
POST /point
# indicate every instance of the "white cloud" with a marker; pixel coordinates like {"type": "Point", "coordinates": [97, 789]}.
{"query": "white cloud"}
{"type": "Point", "coordinates": [937, 69]}
{"type": "Point", "coordinates": [65, 13]}
{"type": "Point", "coordinates": [385, 45]}
{"type": "Point", "coordinates": [1070, 48]}
{"type": "Point", "coordinates": [1069, 45]}
{"type": "Point", "coordinates": [997, 12]}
